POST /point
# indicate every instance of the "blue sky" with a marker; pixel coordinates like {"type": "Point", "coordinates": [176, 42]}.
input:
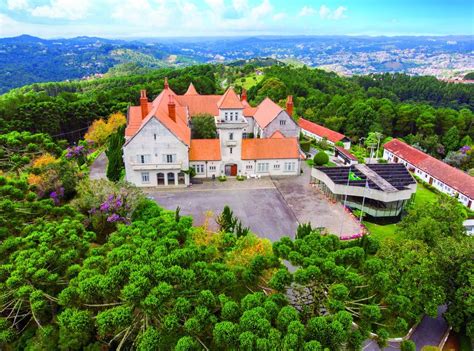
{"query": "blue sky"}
{"type": "Point", "coordinates": [155, 18]}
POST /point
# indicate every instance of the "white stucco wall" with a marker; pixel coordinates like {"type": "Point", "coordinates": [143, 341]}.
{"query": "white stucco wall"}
{"type": "Point", "coordinates": [156, 141]}
{"type": "Point", "coordinates": [275, 167]}
{"type": "Point", "coordinates": [211, 168]}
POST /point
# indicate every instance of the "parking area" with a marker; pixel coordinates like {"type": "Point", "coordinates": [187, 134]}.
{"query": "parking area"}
{"type": "Point", "coordinates": [310, 206]}
{"type": "Point", "coordinates": [262, 209]}
{"type": "Point", "coordinates": [272, 208]}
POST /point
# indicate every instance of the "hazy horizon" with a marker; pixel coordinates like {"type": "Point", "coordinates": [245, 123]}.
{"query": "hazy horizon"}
{"type": "Point", "coordinates": [124, 19]}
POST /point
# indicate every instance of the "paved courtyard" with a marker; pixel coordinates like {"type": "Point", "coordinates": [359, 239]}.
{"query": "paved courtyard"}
{"type": "Point", "coordinates": [271, 208]}
{"type": "Point", "coordinates": [262, 209]}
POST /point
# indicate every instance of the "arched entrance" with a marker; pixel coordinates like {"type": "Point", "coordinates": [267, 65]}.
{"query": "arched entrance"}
{"type": "Point", "coordinates": [181, 178]}
{"type": "Point", "coordinates": [171, 178]}
{"type": "Point", "coordinates": [231, 170]}
{"type": "Point", "coordinates": [160, 178]}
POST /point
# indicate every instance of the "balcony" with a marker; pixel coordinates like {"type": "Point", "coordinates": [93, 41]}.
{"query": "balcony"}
{"type": "Point", "coordinates": [156, 166]}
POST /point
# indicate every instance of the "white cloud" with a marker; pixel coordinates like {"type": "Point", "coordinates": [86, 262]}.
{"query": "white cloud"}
{"type": "Point", "coordinates": [66, 9]}
{"type": "Point", "coordinates": [324, 12]}
{"type": "Point", "coordinates": [339, 13]}
{"type": "Point", "coordinates": [279, 16]}
{"type": "Point", "coordinates": [307, 11]}
{"type": "Point", "coordinates": [240, 5]}
{"type": "Point", "coordinates": [17, 4]}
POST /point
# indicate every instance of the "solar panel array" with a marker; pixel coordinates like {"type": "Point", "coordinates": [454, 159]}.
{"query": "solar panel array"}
{"type": "Point", "coordinates": [394, 173]}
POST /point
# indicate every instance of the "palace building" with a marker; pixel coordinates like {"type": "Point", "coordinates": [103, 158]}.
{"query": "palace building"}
{"type": "Point", "coordinates": [251, 141]}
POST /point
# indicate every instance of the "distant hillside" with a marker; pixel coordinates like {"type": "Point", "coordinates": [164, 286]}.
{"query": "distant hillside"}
{"type": "Point", "coordinates": [26, 59]}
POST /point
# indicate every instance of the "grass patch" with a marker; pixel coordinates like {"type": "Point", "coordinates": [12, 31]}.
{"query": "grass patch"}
{"type": "Point", "coordinates": [424, 196]}
{"type": "Point", "coordinates": [248, 81]}
{"type": "Point", "coordinates": [381, 232]}
{"type": "Point", "coordinates": [330, 164]}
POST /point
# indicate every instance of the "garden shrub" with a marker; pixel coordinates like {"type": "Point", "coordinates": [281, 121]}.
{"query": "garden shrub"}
{"type": "Point", "coordinates": [321, 158]}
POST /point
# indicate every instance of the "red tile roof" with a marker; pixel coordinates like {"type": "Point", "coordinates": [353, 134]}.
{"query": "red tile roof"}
{"type": "Point", "coordinates": [321, 131]}
{"type": "Point", "coordinates": [230, 100]}
{"type": "Point", "coordinates": [347, 153]}
{"type": "Point", "coordinates": [159, 110]}
{"type": "Point", "coordinates": [205, 150]}
{"type": "Point", "coordinates": [191, 90]}
{"type": "Point", "coordinates": [453, 177]}
{"type": "Point", "coordinates": [266, 112]}
{"type": "Point", "coordinates": [200, 104]}
{"type": "Point", "coordinates": [264, 149]}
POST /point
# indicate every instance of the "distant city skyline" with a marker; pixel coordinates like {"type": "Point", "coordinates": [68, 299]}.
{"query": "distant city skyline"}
{"type": "Point", "coordinates": [191, 18]}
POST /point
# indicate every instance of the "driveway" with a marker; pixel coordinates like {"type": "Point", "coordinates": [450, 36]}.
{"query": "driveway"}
{"type": "Point", "coordinates": [262, 209]}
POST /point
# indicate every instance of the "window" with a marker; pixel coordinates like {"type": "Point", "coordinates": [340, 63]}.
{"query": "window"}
{"type": "Point", "coordinates": [290, 166]}
{"type": "Point", "coordinates": [282, 122]}
{"type": "Point", "coordinates": [231, 136]}
{"type": "Point", "coordinates": [169, 158]}
{"type": "Point", "coordinates": [199, 169]}
{"type": "Point", "coordinates": [244, 135]}
{"type": "Point", "coordinates": [143, 158]}
{"type": "Point", "coordinates": [249, 167]}
{"type": "Point", "coordinates": [276, 166]}
{"type": "Point", "coordinates": [154, 136]}
{"type": "Point", "coordinates": [145, 177]}
{"type": "Point", "coordinates": [231, 151]}
{"type": "Point", "coordinates": [212, 168]}
{"type": "Point", "coordinates": [226, 114]}
{"type": "Point", "coordinates": [262, 167]}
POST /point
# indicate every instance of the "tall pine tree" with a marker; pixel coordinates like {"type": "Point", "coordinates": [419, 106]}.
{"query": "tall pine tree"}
{"type": "Point", "coordinates": [114, 154]}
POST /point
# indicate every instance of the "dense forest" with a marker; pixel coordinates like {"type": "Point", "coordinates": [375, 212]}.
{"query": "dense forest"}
{"type": "Point", "coordinates": [95, 265]}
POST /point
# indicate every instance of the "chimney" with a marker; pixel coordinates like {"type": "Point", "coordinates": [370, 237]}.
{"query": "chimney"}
{"type": "Point", "coordinates": [289, 105]}
{"type": "Point", "coordinates": [243, 96]}
{"type": "Point", "coordinates": [172, 108]}
{"type": "Point", "coordinates": [166, 83]}
{"type": "Point", "coordinates": [143, 103]}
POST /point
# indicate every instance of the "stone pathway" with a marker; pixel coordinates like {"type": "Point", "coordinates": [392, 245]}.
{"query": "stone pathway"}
{"type": "Point", "coordinates": [98, 168]}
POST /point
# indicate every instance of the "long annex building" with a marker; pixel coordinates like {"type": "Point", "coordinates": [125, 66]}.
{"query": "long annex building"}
{"type": "Point", "coordinates": [442, 176]}
{"type": "Point", "coordinates": [252, 141]}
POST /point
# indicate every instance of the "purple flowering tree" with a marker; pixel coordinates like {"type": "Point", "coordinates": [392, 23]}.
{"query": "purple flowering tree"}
{"type": "Point", "coordinates": [107, 204]}
{"type": "Point", "coordinates": [78, 153]}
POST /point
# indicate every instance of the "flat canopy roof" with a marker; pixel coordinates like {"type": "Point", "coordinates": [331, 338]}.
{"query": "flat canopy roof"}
{"type": "Point", "coordinates": [386, 177]}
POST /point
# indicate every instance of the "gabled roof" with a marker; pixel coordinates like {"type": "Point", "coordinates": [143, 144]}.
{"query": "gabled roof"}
{"type": "Point", "coordinates": [277, 135]}
{"type": "Point", "coordinates": [191, 90]}
{"type": "Point", "coordinates": [321, 131]}
{"type": "Point", "coordinates": [230, 100]}
{"type": "Point", "coordinates": [159, 110]}
{"type": "Point", "coordinates": [266, 112]}
{"type": "Point", "coordinates": [205, 150]}
{"type": "Point", "coordinates": [264, 149]}
{"type": "Point", "coordinates": [199, 104]}
{"type": "Point", "coordinates": [453, 177]}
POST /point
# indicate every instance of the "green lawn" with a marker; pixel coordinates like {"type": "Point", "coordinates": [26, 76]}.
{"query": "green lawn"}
{"type": "Point", "coordinates": [381, 231]}
{"type": "Point", "coordinates": [249, 81]}
{"type": "Point", "coordinates": [423, 196]}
